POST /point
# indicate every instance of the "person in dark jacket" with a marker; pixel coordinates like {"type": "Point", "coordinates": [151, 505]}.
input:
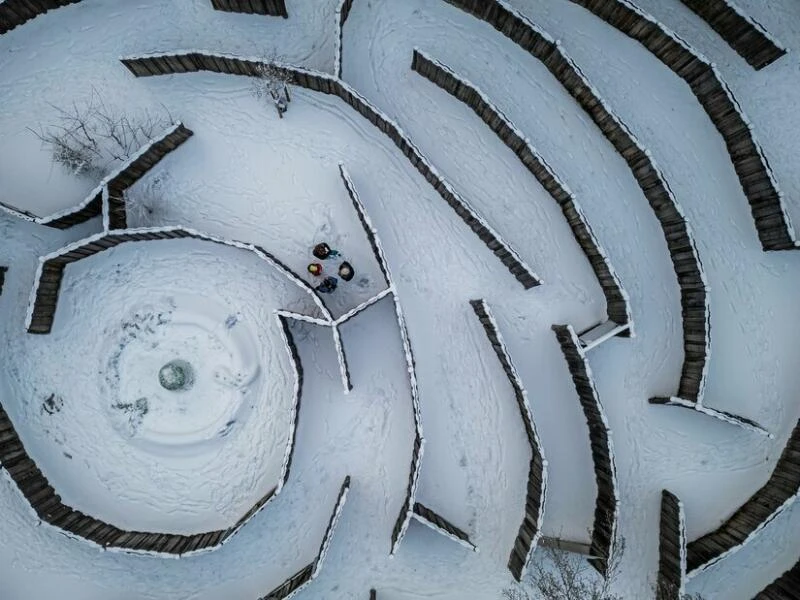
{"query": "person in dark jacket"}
{"type": "Point", "coordinates": [328, 285]}
{"type": "Point", "coordinates": [322, 251]}
{"type": "Point", "coordinates": [346, 271]}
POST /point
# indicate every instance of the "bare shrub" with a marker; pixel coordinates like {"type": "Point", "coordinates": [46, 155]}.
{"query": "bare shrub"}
{"type": "Point", "coordinates": [271, 84]}
{"type": "Point", "coordinates": [144, 202]}
{"type": "Point", "coordinates": [90, 137]}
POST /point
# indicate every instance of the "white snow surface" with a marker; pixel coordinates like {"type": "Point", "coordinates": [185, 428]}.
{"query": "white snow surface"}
{"type": "Point", "coordinates": [249, 176]}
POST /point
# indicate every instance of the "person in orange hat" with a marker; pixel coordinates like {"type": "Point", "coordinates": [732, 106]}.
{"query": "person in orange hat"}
{"type": "Point", "coordinates": [315, 269]}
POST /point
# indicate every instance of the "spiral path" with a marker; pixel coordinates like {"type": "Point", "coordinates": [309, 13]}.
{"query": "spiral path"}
{"type": "Point", "coordinates": [607, 191]}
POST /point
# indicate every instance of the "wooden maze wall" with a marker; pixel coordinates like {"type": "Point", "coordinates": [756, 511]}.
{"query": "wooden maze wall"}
{"type": "Point", "coordinates": [164, 64]}
{"type": "Point", "coordinates": [607, 502]}
{"type": "Point", "coordinates": [755, 174]}
{"type": "Point", "coordinates": [782, 487]}
{"type": "Point", "coordinates": [16, 12]}
{"type": "Point", "coordinates": [749, 40]}
{"type": "Point", "coordinates": [786, 587]}
{"type": "Point", "coordinates": [275, 8]}
{"type": "Point", "coordinates": [530, 529]}
{"type": "Point", "coordinates": [47, 504]}
{"type": "Point", "coordinates": [671, 549]}
{"type": "Point", "coordinates": [616, 299]}
{"type": "Point", "coordinates": [685, 259]}
{"type": "Point", "coordinates": [112, 189]}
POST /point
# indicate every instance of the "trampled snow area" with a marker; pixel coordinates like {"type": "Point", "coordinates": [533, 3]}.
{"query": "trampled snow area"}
{"type": "Point", "coordinates": [199, 461]}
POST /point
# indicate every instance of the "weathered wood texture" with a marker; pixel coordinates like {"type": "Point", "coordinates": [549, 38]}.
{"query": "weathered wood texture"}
{"type": "Point", "coordinates": [3, 271]}
{"type": "Point", "coordinates": [530, 529]}
{"type": "Point", "coordinates": [616, 300]}
{"type": "Point", "coordinates": [136, 168]}
{"type": "Point", "coordinates": [439, 522]}
{"type": "Point", "coordinates": [274, 8]}
{"type": "Point", "coordinates": [80, 214]}
{"type": "Point", "coordinates": [115, 184]}
{"type": "Point", "coordinates": [685, 259]}
{"type": "Point", "coordinates": [786, 587]}
{"type": "Point", "coordinates": [607, 502]}
{"type": "Point", "coordinates": [342, 12]}
{"type": "Point", "coordinates": [407, 509]}
{"type": "Point", "coordinates": [671, 549]}
{"type": "Point", "coordinates": [308, 573]}
{"type": "Point", "coordinates": [743, 35]}
{"type": "Point", "coordinates": [319, 82]}
{"type": "Point", "coordinates": [16, 12]}
{"type": "Point", "coordinates": [763, 506]}
{"type": "Point", "coordinates": [755, 175]}
{"type": "Point", "coordinates": [51, 273]}
{"type": "Point", "coordinates": [47, 504]}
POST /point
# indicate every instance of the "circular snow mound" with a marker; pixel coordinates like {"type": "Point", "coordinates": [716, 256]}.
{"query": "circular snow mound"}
{"type": "Point", "coordinates": [177, 371]}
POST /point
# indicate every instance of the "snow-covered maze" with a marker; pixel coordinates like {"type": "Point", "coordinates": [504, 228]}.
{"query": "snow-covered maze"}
{"type": "Point", "coordinates": [563, 219]}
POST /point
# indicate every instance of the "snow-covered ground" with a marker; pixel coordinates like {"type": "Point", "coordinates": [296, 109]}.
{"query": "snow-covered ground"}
{"type": "Point", "coordinates": [250, 176]}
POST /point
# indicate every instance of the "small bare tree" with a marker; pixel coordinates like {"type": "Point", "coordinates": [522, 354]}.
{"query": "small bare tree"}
{"type": "Point", "coordinates": [271, 84]}
{"type": "Point", "coordinates": [90, 136]}
{"type": "Point", "coordinates": [144, 202]}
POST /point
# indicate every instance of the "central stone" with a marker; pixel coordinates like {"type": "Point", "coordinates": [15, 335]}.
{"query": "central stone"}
{"type": "Point", "coordinates": [176, 375]}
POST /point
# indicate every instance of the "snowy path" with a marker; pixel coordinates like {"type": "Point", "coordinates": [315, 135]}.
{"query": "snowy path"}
{"type": "Point", "coordinates": [250, 176]}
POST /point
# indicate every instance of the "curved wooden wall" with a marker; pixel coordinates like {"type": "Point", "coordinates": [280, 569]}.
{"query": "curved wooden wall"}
{"type": "Point", "coordinates": [47, 505]}
{"type": "Point", "coordinates": [606, 510]}
{"type": "Point", "coordinates": [786, 587]}
{"type": "Point", "coordinates": [530, 530]}
{"type": "Point", "coordinates": [164, 64]}
{"type": "Point", "coordinates": [671, 549]}
{"type": "Point", "coordinates": [767, 503]}
{"type": "Point", "coordinates": [755, 175]}
{"type": "Point", "coordinates": [745, 36]}
{"type": "Point", "coordinates": [616, 298]}
{"type": "Point", "coordinates": [16, 12]}
{"type": "Point", "coordinates": [274, 8]}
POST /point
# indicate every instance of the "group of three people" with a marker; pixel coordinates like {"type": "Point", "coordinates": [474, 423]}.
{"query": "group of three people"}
{"type": "Point", "coordinates": [323, 251]}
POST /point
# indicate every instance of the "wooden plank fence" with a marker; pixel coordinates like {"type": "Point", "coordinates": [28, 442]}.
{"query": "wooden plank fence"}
{"type": "Point", "coordinates": [342, 12]}
{"type": "Point", "coordinates": [762, 507]}
{"type": "Point", "coordinates": [686, 263]}
{"type": "Point", "coordinates": [163, 64]}
{"type": "Point", "coordinates": [685, 259]}
{"type": "Point", "coordinates": [47, 504]}
{"type": "Point", "coordinates": [136, 168]}
{"type": "Point", "coordinates": [606, 512]}
{"type": "Point", "coordinates": [3, 271]}
{"type": "Point", "coordinates": [44, 301]}
{"type": "Point", "coordinates": [107, 199]}
{"type": "Point", "coordinates": [786, 587]}
{"type": "Point", "coordinates": [671, 549]}
{"type": "Point", "coordinates": [373, 595]}
{"type": "Point", "coordinates": [14, 13]}
{"type": "Point", "coordinates": [438, 523]}
{"type": "Point", "coordinates": [616, 298]}
{"type": "Point", "coordinates": [748, 38]}
{"type": "Point", "coordinates": [407, 509]}
{"type": "Point", "coordinates": [755, 175]}
{"type": "Point", "coordinates": [307, 574]}
{"type": "Point", "coordinates": [530, 529]}
{"type": "Point", "coordinates": [274, 8]}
